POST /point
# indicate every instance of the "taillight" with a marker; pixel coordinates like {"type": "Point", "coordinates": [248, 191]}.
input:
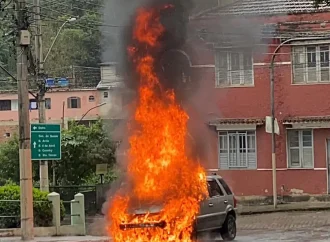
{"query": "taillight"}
{"type": "Point", "coordinates": [235, 202]}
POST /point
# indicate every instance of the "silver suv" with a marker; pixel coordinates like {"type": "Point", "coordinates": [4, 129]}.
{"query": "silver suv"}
{"type": "Point", "coordinates": [217, 212]}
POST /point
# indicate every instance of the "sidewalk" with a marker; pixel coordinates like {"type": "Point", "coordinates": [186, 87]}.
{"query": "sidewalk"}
{"type": "Point", "coordinates": [59, 239]}
{"type": "Point", "coordinates": [296, 206]}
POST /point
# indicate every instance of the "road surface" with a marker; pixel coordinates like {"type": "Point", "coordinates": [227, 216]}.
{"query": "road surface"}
{"type": "Point", "coordinates": [291, 226]}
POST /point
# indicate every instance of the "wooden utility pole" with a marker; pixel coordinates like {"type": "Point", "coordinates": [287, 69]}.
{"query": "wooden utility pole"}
{"type": "Point", "coordinates": [23, 42]}
{"type": "Point", "coordinates": [43, 165]}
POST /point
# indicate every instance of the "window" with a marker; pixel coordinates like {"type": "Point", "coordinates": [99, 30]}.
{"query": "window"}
{"type": "Point", "coordinates": [33, 104]}
{"type": "Point", "coordinates": [214, 189]}
{"type": "Point", "coordinates": [5, 105]}
{"type": "Point", "coordinates": [311, 64]}
{"type": "Point", "coordinates": [300, 149]}
{"type": "Point", "coordinates": [74, 102]}
{"type": "Point", "coordinates": [233, 68]}
{"type": "Point", "coordinates": [105, 94]}
{"type": "Point", "coordinates": [237, 150]}
{"type": "Point", "coordinates": [225, 186]}
{"type": "Point", "coordinates": [7, 135]}
{"type": "Point", "coordinates": [91, 98]}
{"type": "Point", "coordinates": [48, 103]}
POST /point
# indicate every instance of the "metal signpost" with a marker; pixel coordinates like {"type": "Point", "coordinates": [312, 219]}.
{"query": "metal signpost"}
{"type": "Point", "coordinates": [45, 141]}
{"type": "Point", "coordinates": [101, 170]}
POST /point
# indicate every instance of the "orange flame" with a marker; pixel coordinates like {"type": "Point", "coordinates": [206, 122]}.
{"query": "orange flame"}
{"type": "Point", "coordinates": [159, 169]}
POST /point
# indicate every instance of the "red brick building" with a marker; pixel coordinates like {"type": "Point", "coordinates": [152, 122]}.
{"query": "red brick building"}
{"type": "Point", "coordinates": [230, 54]}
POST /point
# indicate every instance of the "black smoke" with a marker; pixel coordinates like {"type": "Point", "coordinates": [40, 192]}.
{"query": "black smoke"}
{"type": "Point", "coordinates": [172, 67]}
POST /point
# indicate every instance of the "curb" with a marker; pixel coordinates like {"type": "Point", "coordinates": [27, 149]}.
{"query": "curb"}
{"type": "Point", "coordinates": [282, 210]}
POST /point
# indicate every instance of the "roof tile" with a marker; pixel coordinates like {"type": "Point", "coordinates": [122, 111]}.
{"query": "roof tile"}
{"type": "Point", "coordinates": [257, 121]}
{"type": "Point", "coordinates": [266, 7]}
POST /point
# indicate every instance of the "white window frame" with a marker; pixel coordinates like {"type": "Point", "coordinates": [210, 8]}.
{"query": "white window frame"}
{"type": "Point", "coordinates": [226, 148]}
{"type": "Point", "coordinates": [229, 81]}
{"type": "Point", "coordinates": [303, 60]}
{"type": "Point", "coordinates": [300, 147]}
{"type": "Point", "coordinates": [69, 102]}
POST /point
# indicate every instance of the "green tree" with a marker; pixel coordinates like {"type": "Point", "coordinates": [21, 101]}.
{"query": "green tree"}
{"type": "Point", "coordinates": [82, 148]}
{"type": "Point", "coordinates": [9, 162]}
{"type": "Point", "coordinates": [79, 42]}
{"type": "Point", "coordinates": [318, 2]}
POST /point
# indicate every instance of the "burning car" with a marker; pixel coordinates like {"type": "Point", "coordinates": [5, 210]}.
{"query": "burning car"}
{"type": "Point", "coordinates": [167, 197]}
{"type": "Point", "coordinates": [217, 213]}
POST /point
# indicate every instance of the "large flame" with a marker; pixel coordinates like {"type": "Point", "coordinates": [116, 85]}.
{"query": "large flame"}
{"type": "Point", "coordinates": [159, 170]}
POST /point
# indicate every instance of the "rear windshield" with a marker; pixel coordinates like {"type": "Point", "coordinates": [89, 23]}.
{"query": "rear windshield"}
{"type": "Point", "coordinates": [225, 186]}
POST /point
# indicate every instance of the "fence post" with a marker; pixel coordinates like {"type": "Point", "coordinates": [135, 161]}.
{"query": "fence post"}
{"type": "Point", "coordinates": [54, 198]}
{"type": "Point", "coordinates": [78, 211]}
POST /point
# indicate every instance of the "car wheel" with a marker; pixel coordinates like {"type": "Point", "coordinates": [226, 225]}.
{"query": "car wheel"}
{"type": "Point", "coordinates": [228, 230]}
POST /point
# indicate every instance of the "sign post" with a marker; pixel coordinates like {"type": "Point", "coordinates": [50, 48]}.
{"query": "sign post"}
{"type": "Point", "coordinates": [45, 141]}
{"type": "Point", "coordinates": [101, 169]}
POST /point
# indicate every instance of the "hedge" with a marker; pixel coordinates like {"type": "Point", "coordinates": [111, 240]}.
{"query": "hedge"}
{"type": "Point", "coordinates": [42, 208]}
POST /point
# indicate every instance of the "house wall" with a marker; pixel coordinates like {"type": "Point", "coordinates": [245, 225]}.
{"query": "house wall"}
{"type": "Point", "coordinates": [254, 102]}
{"type": "Point", "coordinates": [56, 111]}
{"type": "Point", "coordinates": [9, 119]}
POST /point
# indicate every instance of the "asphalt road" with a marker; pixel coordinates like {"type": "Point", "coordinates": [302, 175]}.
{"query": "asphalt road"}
{"type": "Point", "coordinates": [291, 226]}
{"type": "Point", "coordinates": [318, 235]}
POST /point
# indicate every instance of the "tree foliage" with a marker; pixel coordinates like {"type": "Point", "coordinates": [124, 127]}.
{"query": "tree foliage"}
{"type": "Point", "coordinates": [318, 2]}
{"type": "Point", "coordinates": [78, 44]}
{"type": "Point", "coordinates": [42, 208]}
{"type": "Point", "coordinates": [82, 148]}
{"type": "Point", "coordinates": [9, 162]}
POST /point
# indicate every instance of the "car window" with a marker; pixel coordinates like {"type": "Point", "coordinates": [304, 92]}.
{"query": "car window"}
{"type": "Point", "coordinates": [225, 186]}
{"type": "Point", "coordinates": [214, 189]}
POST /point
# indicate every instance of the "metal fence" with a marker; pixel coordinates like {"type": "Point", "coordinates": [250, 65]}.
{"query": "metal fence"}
{"type": "Point", "coordinates": [11, 214]}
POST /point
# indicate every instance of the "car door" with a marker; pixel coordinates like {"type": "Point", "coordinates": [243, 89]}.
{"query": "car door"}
{"type": "Point", "coordinates": [224, 202]}
{"type": "Point", "coordinates": [211, 208]}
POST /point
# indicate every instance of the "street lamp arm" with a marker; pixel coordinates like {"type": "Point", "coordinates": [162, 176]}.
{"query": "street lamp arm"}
{"type": "Point", "coordinates": [89, 111]}
{"type": "Point", "coordinates": [58, 33]}
{"type": "Point", "coordinates": [51, 46]}
{"type": "Point", "coordinates": [288, 41]}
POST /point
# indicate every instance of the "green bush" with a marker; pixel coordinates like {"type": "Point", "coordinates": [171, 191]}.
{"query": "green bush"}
{"type": "Point", "coordinates": [42, 209]}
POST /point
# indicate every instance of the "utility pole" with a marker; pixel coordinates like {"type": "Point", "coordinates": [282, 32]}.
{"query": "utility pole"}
{"type": "Point", "coordinates": [26, 199]}
{"type": "Point", "coordinates": [43, 165]}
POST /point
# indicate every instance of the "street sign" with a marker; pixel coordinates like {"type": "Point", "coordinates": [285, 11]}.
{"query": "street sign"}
{"type": "Point", "coordinates": [45, 142]}
{"type": "Point", "coordinates": [101, 169]}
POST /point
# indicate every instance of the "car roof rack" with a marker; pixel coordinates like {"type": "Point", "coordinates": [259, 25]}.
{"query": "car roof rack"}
{"type": "Point", "coordinates": [213, 171]}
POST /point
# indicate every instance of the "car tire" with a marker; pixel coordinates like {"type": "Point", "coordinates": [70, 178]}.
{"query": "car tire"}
{"type": "Point", "coordinates": [228, 230]}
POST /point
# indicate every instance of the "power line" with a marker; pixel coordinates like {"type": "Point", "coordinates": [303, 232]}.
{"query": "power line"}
{"type": "Point", "coordinates": [100, 24]}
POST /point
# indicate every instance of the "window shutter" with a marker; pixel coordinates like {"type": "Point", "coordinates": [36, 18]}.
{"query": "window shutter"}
{"type": "Point", "coordinates": [78, 102]}
{"type": "Point", "coordinates": [223, 149]}
{"type": "Point", "coordinates": [307, 157]}
{"type": "Point", "coordinates": [221, 67]}
{"type": "Point", "coordinates": [299, 62]}
{"type": "Point", "coordinates": [69, 102]}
